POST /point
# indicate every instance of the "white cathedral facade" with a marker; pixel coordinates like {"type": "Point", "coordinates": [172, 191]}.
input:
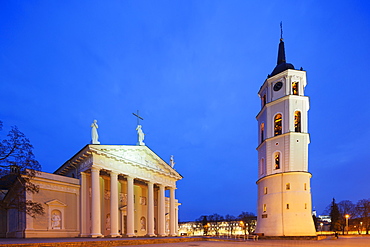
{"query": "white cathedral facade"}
{"type": "Point", "coordinates": [284, 197]}
{"type": "Point", "coordinates": [102, 191]}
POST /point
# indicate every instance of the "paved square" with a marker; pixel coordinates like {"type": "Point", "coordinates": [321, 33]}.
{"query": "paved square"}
{"type": "Point", "coordinates": [341, 242]}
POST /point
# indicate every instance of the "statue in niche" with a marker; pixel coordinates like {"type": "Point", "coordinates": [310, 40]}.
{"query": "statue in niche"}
{"type": "Point", "coordinates": [107, 222]}
{"type": "Point", "coordinates": [143, 224]}
{"type": "Point", "coordinates": [172, 161]}
{"type": "Point", "coordinates": [94, 133]}
{"type": "Point", "coordinates": [140, 136]}
{"type": "Point", "coordinates": [55, 221]}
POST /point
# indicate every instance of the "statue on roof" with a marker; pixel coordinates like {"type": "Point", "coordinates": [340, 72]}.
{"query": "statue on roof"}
{"type": "Point", "coordinates": [172, 161]}
{"type": "Point", "coordinates": [140, 136]}
{"type": "Point", "coordinates": [94, 133]}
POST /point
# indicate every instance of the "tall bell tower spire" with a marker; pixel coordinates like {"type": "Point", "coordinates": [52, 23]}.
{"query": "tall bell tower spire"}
{"type": "Point", "coordinates": [284, 196]}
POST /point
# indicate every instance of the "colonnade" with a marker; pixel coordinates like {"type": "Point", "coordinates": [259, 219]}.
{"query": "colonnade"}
{"type": "Point", "coordinates": [95, 229]}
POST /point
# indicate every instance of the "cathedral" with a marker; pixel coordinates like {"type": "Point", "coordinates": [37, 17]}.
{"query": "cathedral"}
{"type": "Point", "coordinates": [102, 191]}
{"type": "Point", "coordinates": [284, 192]}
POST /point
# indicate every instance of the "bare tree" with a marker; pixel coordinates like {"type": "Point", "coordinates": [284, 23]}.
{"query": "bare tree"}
{"type": "Point", "coordinates": [363, 212]}
{"type": "Point", "coordinates": [17, 168]}
{"type": "Point", "coordinates": [346, 207]}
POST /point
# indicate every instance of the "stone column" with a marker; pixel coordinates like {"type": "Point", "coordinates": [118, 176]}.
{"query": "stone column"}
{"type": "Point", "coordinates": [114, 205]}
{"type": "Point", "coordinates": [95, 204]}
{"type": "Point", "coordinates": [130, 207]}
{"type": "Point", "coordinates": [150, 232]}
{"type": "Point", "coordinates": [161, 211]}
{"type": "Point", "coordinates": [172, 212]}
{"type": "Point", "coordinates": [83, 202]}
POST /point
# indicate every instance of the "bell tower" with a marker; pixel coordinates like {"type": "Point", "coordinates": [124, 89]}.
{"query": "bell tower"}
{"type": "Point", "coordinates": [284, 193]}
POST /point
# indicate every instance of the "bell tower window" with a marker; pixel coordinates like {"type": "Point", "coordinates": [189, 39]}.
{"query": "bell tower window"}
{"type": "Point", "coordinates": [263, 100]}
{"type": "Point", "coordinates": [262, 131]}
{"type": "Point", "coordinates": [262, 166]}
{"type": "Point", "coordinates": [295, 88]}
{"type": "Point", "coordinates": [297, 121]}
{"type": "Point", "coordinates": [277, 160]}
{"type": "Point", "coordinates": [278, 124]}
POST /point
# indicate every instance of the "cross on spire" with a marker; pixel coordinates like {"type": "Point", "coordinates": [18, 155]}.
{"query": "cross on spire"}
{"type": "Point", "coordinates": [281, 30]}
{"type": "Point", "coordinates": [138, 117]}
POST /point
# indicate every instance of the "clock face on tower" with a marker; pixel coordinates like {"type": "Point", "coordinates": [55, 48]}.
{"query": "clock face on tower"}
{"type": "Point", "coordinates": [278, 85]}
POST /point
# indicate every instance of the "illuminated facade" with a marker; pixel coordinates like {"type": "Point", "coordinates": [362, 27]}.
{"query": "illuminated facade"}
{"type": "Point", "coordinates": [103, 190]}
{"type": "Point", "coordinates": [284, 196]}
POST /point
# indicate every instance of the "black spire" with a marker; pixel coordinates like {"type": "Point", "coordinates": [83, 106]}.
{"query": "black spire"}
{"type": "Point", "coordinates": [282, 65]}
{"type": "Point", "coordinates": [281, 53]}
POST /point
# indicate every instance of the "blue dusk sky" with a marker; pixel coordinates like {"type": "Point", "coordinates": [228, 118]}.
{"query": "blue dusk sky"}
{"type": "Point", "coordinates": [193, 70]}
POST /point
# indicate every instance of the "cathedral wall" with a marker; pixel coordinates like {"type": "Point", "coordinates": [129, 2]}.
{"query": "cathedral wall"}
{"type": "Point", "coordinates": [60, 198]}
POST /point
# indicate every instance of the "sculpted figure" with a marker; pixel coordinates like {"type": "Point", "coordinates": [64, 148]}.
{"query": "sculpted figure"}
{"type": "Point", "coordinates": [140, 136]}
{"type": "Point", "coordinates": [172, 161]}
{"type": "Point", "coordinates": [94, 133]}
{"type": "Point", "coordinates": [55, 221]}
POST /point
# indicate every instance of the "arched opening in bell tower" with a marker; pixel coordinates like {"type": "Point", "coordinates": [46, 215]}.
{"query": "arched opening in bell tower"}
{"type": "Point", "coordinates": [278, 124]}
{"type": "Point", "coordinates": [262, 132]}
{"type": "Point", "coordinates": [297, 121]}
{"type": "Point", "coordinates": [295, 88]}
{"type": "Point", "coordinates": [277, 160]}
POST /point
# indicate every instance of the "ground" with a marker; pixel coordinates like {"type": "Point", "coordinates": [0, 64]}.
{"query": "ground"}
{"type": "Point", "coordinates": [343, 241]}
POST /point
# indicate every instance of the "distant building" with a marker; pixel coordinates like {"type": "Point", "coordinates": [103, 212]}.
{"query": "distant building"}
{"type": "Point", "coordinates": [103, 190]}
{"type": "Point", "coordinates": [323, 223]}
{"type": "Point", "coordinates": [216, 228]}
{"type": "Point", "coordinates": [284, 191]}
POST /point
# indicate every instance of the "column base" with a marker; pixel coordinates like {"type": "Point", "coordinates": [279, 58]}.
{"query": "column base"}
{"type": "Point", "coordinates": [96, 235]}
{"type": "Point", "coordinates": [151, 235]}
{"type": "Point", "coordinates": [162, 235]}
{"type": "Point", "coordinates": [114, 236]}
{"type": "Point", "coordinates": [131, 235]}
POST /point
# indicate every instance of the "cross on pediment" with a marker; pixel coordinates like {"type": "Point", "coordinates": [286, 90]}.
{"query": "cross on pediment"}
{"type": "Point", "coordinates": [138, 117]}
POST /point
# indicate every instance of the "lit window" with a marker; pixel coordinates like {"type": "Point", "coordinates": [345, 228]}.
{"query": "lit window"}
{"type": "Point", "coordinates": [263, 100]}
{"type": "Point", "coordinates": [297, 121]}
{"type": "Point", "coordinates": [277, 160]}
{"type": "Point", "coordinates": [264, 208]}
{"type": "Point", "coordinates": [287, 186]}
{"type": "Point", "coordinates": [295, 88]}
{"type": "Point", "coordinates": [278, 124]}
{"type": "Point", "coordinates": [262, 130]}
{"type": "Point", "coordinates": [265, 190]}
{"type": "Point", "coordinates": [305, 186]}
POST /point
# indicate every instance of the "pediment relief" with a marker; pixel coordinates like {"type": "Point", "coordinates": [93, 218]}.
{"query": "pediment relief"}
{"type": "Point", "coordinates": [56, 202]}
{"type": "Point", "coordinates": [137, 155]}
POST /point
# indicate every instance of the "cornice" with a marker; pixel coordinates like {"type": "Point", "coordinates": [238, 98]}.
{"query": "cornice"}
{"type": "Point", "coordinates": [282, 174]}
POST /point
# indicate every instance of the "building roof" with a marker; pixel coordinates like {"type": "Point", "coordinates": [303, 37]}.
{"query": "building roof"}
{"type": "Point", "coordinates": [281, 65]}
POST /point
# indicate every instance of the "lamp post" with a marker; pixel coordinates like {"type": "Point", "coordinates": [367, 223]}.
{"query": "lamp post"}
{"type": "Point", "coordinates": [361, 227]}
{"type": "Point", "coordinates": [347, 216]}
{"type": "Point", "coordinates": [321, 224]}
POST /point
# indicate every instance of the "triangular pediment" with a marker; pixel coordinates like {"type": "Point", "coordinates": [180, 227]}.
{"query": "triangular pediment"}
{"type": "Point", "coordinates": [55, 202]}
{"type": "Point", "coordinates": [138, 155]}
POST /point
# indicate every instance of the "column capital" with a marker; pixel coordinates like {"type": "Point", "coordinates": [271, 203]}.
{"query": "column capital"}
{"type": "Point", "coordinates": [113, 173]}
{"type": "Point", "coordinates": [95, 169]}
